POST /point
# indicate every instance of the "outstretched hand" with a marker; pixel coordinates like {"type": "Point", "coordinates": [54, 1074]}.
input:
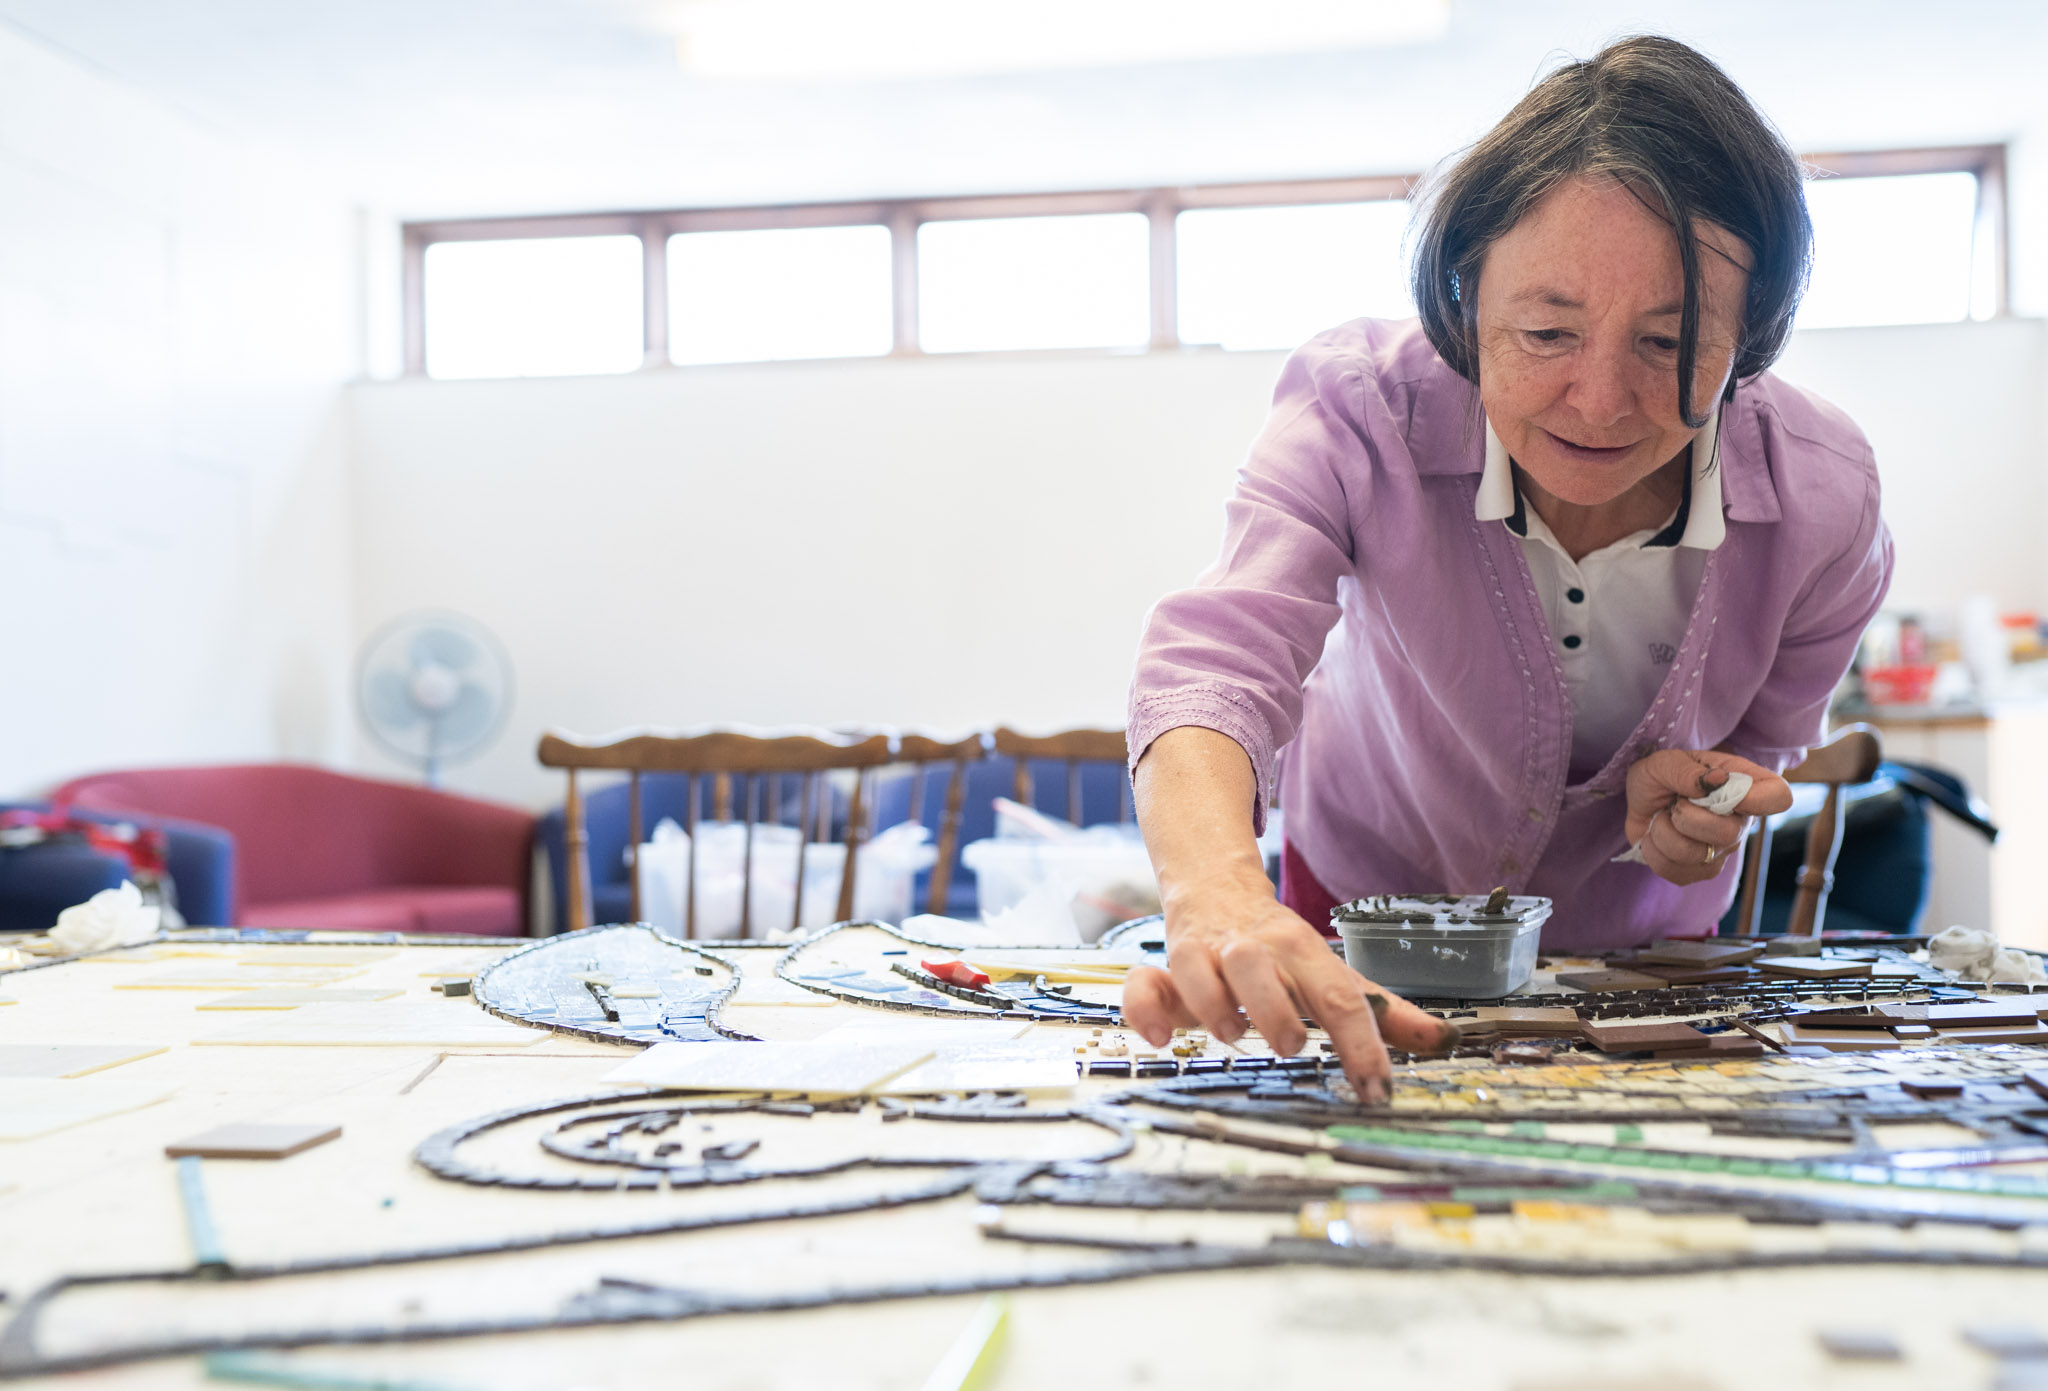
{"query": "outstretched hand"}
{"type": "Point", "coordinates": [1238, 959]}
{"type": "Point", "coordinates": [1683, 843]}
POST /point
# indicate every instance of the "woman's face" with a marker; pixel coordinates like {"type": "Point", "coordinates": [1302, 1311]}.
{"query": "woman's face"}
{"type": "Point", "coordinates": [1578, 338]}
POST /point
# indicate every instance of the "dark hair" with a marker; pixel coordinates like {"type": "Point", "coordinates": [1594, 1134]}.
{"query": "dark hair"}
{"type": "Point", "coordinates": [1670, 125]}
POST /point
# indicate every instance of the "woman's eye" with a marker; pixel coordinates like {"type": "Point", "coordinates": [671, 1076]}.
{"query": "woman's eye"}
{"type": "Point", "coordinates": [1662, 345]}
{"type": "Point", "coordinates": [1545, 336]}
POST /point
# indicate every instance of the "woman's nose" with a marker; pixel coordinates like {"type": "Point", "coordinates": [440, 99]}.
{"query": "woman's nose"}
{"type": "Point", "coordinates": [1602, 391]}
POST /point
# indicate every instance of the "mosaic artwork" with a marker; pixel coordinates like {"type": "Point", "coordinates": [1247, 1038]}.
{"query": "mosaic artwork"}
{"type": "Point", "coordinates": [625, 984]}
{"type": "Point", "coordinates": [1688, 1108]}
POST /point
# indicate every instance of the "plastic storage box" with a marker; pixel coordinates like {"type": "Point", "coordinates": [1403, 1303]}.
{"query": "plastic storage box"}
{"type": "Point", "coordinates": [1103, 872]}
{"type": "Point", "coordinates": [1441, 944]}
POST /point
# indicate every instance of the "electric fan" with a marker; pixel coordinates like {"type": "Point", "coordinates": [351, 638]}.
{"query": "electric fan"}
{"type": "Point", "coordinates": [433, 689]}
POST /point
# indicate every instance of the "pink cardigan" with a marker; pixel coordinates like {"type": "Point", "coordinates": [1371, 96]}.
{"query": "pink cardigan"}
{"type": "Point", "coordinates": [1385, 655]}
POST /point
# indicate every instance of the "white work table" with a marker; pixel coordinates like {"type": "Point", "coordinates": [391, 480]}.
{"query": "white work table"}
{"type": "Point", "coordinates": [101, 1196]}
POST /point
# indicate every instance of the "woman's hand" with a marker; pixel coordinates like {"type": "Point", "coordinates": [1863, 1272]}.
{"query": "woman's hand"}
{"type": "Point", "coordinates": [1684, 843]}
{"type": "Point", "coordinates": [1231, 947]}
{"type": "Point", "coordinates": [1232, 951]}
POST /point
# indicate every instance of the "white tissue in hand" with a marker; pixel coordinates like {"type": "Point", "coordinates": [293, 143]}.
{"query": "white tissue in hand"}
{"type": "Point", "coordinates": [1728, 796]}
{"type": "Point", "coordinates": [110, 918]}
{"type": "Point", "coordinates": [1722, 800]}
{"type": "Point", "coordinates": [1976, 955]}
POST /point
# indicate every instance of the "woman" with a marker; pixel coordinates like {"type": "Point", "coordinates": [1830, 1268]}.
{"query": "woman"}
{"type": "Point", "coordinates": [1507, 588]}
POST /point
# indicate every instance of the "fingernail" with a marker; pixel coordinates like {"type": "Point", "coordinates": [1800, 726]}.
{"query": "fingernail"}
{"type": "Point", "coordinates": [1372, 1091]}
{"type": "Point", "coordinates": [1448, 1036]}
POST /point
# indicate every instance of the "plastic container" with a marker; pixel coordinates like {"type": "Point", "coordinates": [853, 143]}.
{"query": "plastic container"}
{"type": "Point", "coordinates": [888, 866]}
{"type": "Point", "coordinates": [1899, 685]}
{"type": "Point", "coordinates": [1441, 944]}
{"type": "Point", "coordinates": [1103, 874]}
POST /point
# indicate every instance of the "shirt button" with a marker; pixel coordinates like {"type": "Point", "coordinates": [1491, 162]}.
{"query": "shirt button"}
{"type": "Point", "coordinates": [1535, 815]}
{"type": "Point", "coordinates": [1577, 596]}
{"type": "Point", "coordinates": [1572, 642]}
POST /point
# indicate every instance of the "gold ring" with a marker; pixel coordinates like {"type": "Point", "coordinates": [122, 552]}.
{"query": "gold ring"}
{"type": "Point", "coordinates": [1712, 855]}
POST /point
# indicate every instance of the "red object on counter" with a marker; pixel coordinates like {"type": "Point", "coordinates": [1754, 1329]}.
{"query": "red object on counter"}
{"type": "Point", "coordinates": [1900, 685]}
{"type": "Point", "coordinates": [956, 973]}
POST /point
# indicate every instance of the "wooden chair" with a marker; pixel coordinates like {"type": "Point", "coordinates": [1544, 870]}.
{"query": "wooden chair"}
{"type": "Point", "coordinates": [762, 766]}
{"type": "Point", "coordinates": [1074, 747]}
{"type": "Point", "coordinates": [924, 754]}
{"type": "Point", "coordinates": [1851, 756]}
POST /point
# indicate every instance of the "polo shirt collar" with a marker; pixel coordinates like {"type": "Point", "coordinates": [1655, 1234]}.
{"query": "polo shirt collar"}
{"type": "Point", "coordinates": [1699, 522]}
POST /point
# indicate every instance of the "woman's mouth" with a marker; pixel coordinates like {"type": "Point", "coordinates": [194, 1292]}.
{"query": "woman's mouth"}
{"type": "Point", "coordinates": [1587, 453]}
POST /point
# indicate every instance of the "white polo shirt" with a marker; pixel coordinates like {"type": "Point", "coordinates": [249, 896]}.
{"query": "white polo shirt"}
{"type": "Point", "coordinates": [1618, 614]}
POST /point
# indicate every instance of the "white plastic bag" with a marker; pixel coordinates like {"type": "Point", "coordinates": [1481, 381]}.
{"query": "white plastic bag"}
{"type": "Point", "coordinates": [882, 890]}
{"type": "Point", "coordinates": [1038, 871]}
{"type": "Point", "coordinates": [110, 918]}
{"type": "Point", "coordinates": [1972, 954]}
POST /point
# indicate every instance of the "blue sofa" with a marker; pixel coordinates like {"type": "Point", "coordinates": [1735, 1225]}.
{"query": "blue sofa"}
{"type": "Point", "coordinates": [1103, 791]}
{"type": "Point", "coordinates": [37, 882]}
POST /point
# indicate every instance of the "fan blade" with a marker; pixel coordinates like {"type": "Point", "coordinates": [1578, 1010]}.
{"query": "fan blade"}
{"type": "Point", "coordinates": [387, 699]}
{"type": "Point", "coordinates": [466, 721]}
{"type": "Point", "coordinates": [444, 646]}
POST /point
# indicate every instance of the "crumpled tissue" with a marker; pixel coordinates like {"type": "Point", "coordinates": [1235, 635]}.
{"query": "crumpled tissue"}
{"type": "Point", "coordinates": [1722, 800]}
{"type": "Point", "coordinates": [110, 918]}
{"type": "Point", "coordinates": [1975, 955]}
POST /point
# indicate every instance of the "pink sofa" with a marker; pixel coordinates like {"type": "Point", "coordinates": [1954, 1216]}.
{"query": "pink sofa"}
{"type": "Point", "coordinates": [317, 849]}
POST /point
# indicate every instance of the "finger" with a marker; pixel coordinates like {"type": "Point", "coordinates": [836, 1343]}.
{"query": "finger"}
{"type": "Point", "coordinates": [1769, 795]}
{"type": "Point", "coordinates": [1675, 845]}
{"type": "Point", "coordinates": [1203, 990]}
{"type": "Point", "coordinates": [1410, 1027]}
{"type": "Point", "coordinates": [1673, 856]}
{"type": "Point", "coordinates": [1400, 1024]}
{"type": "Point", "coordinates": [1681, 772]}
{"type": "Point", "coordinates": [1153, 1006]}
{"type": "Point", "coordinates": [1636, 826]}
{"type": "Point", "coordinates": [1724, 833]}
{"type": "Point", "coordinates": [1341, 1007]}
{"type": "Point", "coordinates": [1254, 978]}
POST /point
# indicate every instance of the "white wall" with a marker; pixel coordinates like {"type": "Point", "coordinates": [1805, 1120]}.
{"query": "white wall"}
{"type": "Point", "coordinates": [954, 542]}
{"type": "Point", "coordinates": [1954, 412]}
{"type": "Point", "coordinates": [175, 322]}
{"type": "Point", "coordinates": [942, 542]}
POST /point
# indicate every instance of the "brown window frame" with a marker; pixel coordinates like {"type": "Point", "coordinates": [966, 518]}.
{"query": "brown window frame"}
{"type": "Point", "coordinates": [1160, 205]}
{"type": "Point", "coordinates": [1987, 162]}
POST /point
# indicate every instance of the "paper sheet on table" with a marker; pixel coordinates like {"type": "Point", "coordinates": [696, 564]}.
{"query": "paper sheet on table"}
{"type": "Point", "coordinates": [818, 1069]}
{"type": "Point", "coordinates": [34, 1106]}
{"type": "Point", "coordinates": [70, 1059]}
{"type": "Point", "coordinates": [995, 1067]}
{"type": "Point", "coordinates": [226, 977]}
{"type": "Point", "coordinates": [286, 954]}
{"type": "Point", "coordinates": [939, 1033]}
{"type": "Point", "coordinates": [773, 990]}
{"type": "Point", "coordinates": [292, 999]}
{"type": "Point", "coordinates": [441, 1024]}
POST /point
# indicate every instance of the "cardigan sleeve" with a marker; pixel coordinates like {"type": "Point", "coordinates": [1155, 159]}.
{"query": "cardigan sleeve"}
{"type": "Point", "coordinates": [1231, 653]}
{"type": "Point", "coordinates": [1788, 714]}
